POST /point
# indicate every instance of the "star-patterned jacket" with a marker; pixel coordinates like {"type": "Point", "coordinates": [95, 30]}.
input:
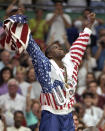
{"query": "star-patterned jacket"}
{"type": "Point", "coordinates": [55, 97]}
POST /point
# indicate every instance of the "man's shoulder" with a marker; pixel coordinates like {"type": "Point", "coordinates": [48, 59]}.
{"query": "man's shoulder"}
{"type": "Point", "coordinates": [4, 96]}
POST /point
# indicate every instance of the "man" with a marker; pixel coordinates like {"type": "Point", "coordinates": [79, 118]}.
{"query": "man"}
{"type": "Point", "coordinates": [18, 119]}
{"type": "Point", "coordinates": [58, 21]}
{"type": "Point", "coordinates": [92, 114]}
{"type": "Point", "coordinates": [57, 76]}
{"type": "Point", "coordinates": [5, 59]}
{"type": "Point", "coordinates": [11, 101]}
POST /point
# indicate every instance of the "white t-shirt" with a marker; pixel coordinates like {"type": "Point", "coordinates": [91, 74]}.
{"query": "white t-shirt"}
{"type": "Point", "coordinates": [92, 116]}
{"type": "Point", "coordinates": [11, 105]}
{"type": "Point", "coordinates": [20, 129]}
{"type": "Point", "coordinates": [1, 126]}
{"type": "Point", "coordinates": [36, 90]}
{"type": "Point", "coordinates": [58, 27]}
{"type": "Point", "coordinates": [24, 87]}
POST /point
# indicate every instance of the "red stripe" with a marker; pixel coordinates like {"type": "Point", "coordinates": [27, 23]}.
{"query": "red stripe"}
{"type": "Point", "coordinates": [75, 62]}
{"type": "Point", "coordinates": [74, 78]}
{"type": "Point", "coordinates": [80, 44]}
{"type": "Point", "coordinates": [18, 44]}
{"type": "Point", "coordinates": [75, 73]}
{"type": "Point", "coordinates": [14, 27]}
{"type": "Point", "coordinates": [24, 33]}
{"type": "Point", "coordinates": [68, 105]}
{"type": "Point", "coordinates": [83, 35]}
{"type": "Point", "coordinates": [64, 92]}
{"type": "Point", "coordinates": [77, 54]}
{"type": "Point", "coordinates": [75, 68]}
{"type": "Point", "coordinates": [47, 99]}
{"type": "Point", "coordinates": [74, 57]}
{"type": "Point", "coordinates": [40, 100]}
{"type": "Point", "coordinates": [54, 102]}
{"type": "Point", "coordinates": [77, 48]}
{"type": "Point", "coordinates": [61, 107]}
{"type": "Point", "coordinates": [2, 41]}
{"type": "Point", "coordinates": [84, 40]}
{"type": "Point", "coordinates": [50, 100]}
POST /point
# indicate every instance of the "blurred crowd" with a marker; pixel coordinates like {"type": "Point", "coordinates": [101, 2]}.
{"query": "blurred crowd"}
{"type": "Point", "coordinates": [19, 88]}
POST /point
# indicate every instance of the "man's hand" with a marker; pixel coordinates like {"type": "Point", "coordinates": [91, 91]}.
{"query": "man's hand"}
{"type": "Point", "coordinates": [91, 19]}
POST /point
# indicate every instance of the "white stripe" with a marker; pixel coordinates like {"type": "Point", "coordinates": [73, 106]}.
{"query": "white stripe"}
{"type": "Point", "coordinates": [76, 50]}
{"type": "Point", "coordinates": [52, 101]}
{"type": "Point", "coordinates": [18, 30]}
{"type": "Point", "coordinates": [83, 37]}
{"type": "Point", "coordinates": [76, 55]}
{"type": "Point", "coordinates": [78, 46]}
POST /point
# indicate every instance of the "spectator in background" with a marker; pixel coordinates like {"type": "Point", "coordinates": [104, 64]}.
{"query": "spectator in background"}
{"type": "Point", "coordinates": [12, 101]}
{"type": "Point", "coordinates": [32, 111]}
{"type": "Point", "coordinates": [101, 124]}
{"type": "Point", "coordinates": [89, 61]}
{"type": "Point", "coordinates": [76, 120]}
{"type": "Point", "coordinates": [13, 8]}
{"type": "Point", "coordinates": [15, 62]}
{"type": "Point", "coordinates": [38, 28]}
{"type": "Point", "coordinates": [84, 78]}
{"type": "Point", "coordinates": [98, 100]}
{"type": "Point", "coordinates": [58, 21]}
{"type": "Point", "coordinates": [20, 77]}
{"type": "Point", "coordinates": [18, 119]}
{"type": "Point", "coordinates": [5, 59]}
{"type": "Point", "coordinates": [99, 52]}
{"type": "Point", "coordinates": [36, 87]}
{"type": "Point", "coordinates": [38, 25]}
{"type": "Point", "coordinates": [101, 88]}
{"type": "Point", "coordinates": [5, 75]}
{"type": "Point", "coordinates": [92, 113]}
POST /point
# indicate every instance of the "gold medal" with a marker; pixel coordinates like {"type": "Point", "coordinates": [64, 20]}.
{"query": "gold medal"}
{"type": "Point", "coordinates": [67, 85]}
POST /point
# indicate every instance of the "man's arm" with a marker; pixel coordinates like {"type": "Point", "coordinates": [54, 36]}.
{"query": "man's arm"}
{"type": "Point", "coordinates": [79, 46]}
{"type": "Point", "coordinates": [21, 39]}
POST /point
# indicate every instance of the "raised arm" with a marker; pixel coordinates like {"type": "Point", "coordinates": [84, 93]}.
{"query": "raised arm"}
{"type": "Point", "coordinates": [21, 39]}
{"type": "Point", "coordinates": [79, 46]}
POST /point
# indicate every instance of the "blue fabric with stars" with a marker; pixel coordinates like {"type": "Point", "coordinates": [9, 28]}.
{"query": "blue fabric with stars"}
{"type": "Point", "coordinates": [18, 19]}
{"type": "Point", "coordinates": [42, 67]}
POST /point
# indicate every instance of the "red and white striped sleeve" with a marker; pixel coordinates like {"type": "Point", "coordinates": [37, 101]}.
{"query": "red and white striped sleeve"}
{"type": "Point", "coordinates": [79, 46]}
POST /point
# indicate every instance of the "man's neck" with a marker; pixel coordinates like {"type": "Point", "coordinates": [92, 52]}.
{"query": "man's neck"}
{"type": "Point", "coordinates": [12, 96]}
{"type": "Point", "coordinates": [59, 63]}
{"type": "Point", "coordinates": [17, 127]}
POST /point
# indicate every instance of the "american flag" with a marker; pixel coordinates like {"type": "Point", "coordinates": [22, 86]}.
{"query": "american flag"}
{"type": "Point", "coordinates": [16, 33]}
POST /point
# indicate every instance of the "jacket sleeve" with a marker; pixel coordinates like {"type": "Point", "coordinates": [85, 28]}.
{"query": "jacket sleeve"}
{"type": "Point", "coordinates": [41, 64]}
{"type": "Point", "coordinates": [79, 46]}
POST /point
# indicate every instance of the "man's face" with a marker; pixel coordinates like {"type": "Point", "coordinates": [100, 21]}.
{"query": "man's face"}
{"type": "Point", "coordinates": [89, 78]}
{"type": "Point", "coordinates": [56, 52]}
{"type": "Point", "coordinates": [5, 56]}
{"type": "Point", "coordinates": [31, 75]}
{"type": "Point", "coordinates": [18, 120]}
{"type": "Point", "coordinates": [86, 13]}
{"type": "Point", "coordinates": [93, 87]}
{"type": "Point", "coordinates": [58, 6]}
{"type": "Point", "coordinates": [88, 101]}
{"type": "Point", "coordinates": [19, 76]}
{"type": "Point", "coordinates": [12, 88]}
